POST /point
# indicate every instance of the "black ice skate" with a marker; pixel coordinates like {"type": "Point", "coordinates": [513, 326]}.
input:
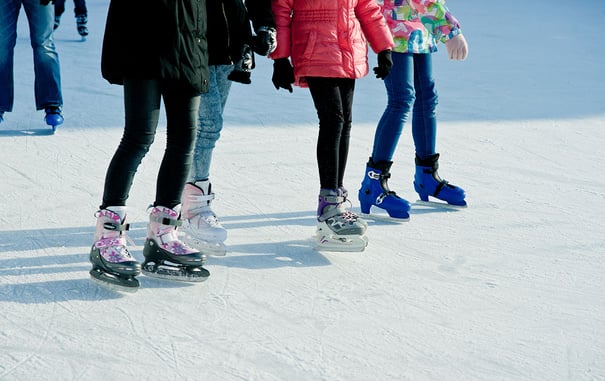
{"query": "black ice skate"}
{"type": "Point", "coordinates": [165, 255]}
{"type": "Point", "coordinates": [112, 264]}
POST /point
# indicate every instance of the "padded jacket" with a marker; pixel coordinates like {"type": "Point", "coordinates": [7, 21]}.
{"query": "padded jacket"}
{"type": "Point", "coordinates": [329, 38]}
{"type": "Point", "coordinates": [157, 39]}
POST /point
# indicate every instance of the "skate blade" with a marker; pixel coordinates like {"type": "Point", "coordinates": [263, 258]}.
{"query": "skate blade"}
{"type": "Point", "coordinates": [383, 217]}
{"type": "Point", "coordinates": [440, 204]}
{"type": "Point", "coordinates": [341, 243]}
{"type": "Point", "coordinates": [215, 249]}
{"type": "Point", "coordinates": [113, 283]}
{"type": "Point", "coordinates": [176, 273]}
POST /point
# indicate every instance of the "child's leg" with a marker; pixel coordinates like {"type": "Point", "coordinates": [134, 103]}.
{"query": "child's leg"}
{"type": "Point", "coordinates": [328, 103]}
{"type": "Point", "coordinates": [400, 97]}
{"type": "Point", "coordinates": [424, 122]}
{"type": "Point", "coordinates": [181, 116]}
{"type": "Point", "coordinates": [142, 107]}
{"type": "Point", "coordinates": [347, 89]}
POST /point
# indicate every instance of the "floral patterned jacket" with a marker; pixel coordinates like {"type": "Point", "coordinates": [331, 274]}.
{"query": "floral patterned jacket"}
{"type": "Point", "coordinates": [417, 25]}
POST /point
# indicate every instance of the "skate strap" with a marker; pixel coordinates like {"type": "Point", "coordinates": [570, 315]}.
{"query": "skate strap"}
{"type": "Point", "coordinates": [109, 242]}
{"type": "Point", "coordinates": [333, 199]}
{"type": "Point", "coordinates": [202, 197]}
{"type": "Point", "coordinates": [116, 227]}
{"type": "Point", "coordinates": [165, 221]}
{"type": "Point", "coordinates": [440, 186]}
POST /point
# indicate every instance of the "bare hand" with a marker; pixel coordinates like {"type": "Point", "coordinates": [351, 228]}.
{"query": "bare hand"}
{"type": "Point", "coordinates": [457, 48]}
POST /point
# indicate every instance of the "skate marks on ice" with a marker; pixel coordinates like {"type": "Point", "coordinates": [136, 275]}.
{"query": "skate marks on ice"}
{"type": "Point", "coordinates": [270, 255]}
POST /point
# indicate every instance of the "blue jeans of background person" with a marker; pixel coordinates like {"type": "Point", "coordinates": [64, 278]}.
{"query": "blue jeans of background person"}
{"type": "Point", "coordinates": [79, 8]}
{"type": "Point", "coordinates": [212, 105]}
{"type": "Point", "coordinates": [142, 99]}
{"type": "Point", "coordinates": [47, 84]}
{"type": "Point", "coordinates": [410, 86]}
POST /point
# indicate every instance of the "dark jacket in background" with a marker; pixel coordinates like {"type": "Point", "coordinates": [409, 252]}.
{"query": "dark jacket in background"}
{"type": "Point", "coordinates": [157, 39]}
{"type": "Point", "coordinates": [229, 27]}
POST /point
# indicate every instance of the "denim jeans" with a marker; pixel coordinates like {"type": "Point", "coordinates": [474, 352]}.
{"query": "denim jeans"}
{"type": "Point", "coordinates": [47, 83]}
{"type": "Point", "coordinates": [333, 100]}
{"type": "Point", "coordinates": [212, 105]}
{"type": "Point", "coordinates": [79, 7]}
{"type": "Point", "coordinates": [142, 108]}
{"type": "Point", "coordinates": [410, 86]}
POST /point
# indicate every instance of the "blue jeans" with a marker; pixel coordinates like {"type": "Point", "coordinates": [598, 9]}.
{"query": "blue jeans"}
{"type": "Point", "coordinates": [410, 86]}
{"type": "Point", "coordinates": [47, 84]}
{"type": "Point", "coordinates": [212, 105]}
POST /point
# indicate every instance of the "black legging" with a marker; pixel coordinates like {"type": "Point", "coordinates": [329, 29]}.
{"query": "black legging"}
{"type": "Point", "coordinates": [333, 99]}
{"type": "Point", "coordinates": [142, 107]}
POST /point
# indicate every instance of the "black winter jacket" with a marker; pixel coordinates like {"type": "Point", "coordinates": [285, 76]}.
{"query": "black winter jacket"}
{"type": "Point", "coordinates": [157, 39]}
{"type": "Point", "coordinates": [229, 27]}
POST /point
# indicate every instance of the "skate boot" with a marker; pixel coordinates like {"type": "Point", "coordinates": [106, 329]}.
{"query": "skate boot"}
{"type": "Point", "coordinates": [345, 194]}
{"type": "Point", "coordinates": [375, 191]}
{"type": "Point", "coordinates": [81, 21]}
{"type": "Point", "coordinates": [53, 117]}
{"type": "Point", "coordinates": [202, 229]}
{"type": "Point", "coordinates": [337, 228]}
{"type": "Point", "coordinates": [165, 255]}
{"type": "Point", "coordinates": [428, 183]}
{"type": "Point", "coordinates": [112, 264]}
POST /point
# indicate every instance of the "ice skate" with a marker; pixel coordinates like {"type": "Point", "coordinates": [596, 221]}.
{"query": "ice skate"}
{"type": "Point", "coordinates": [112, 264]}
{"type": "Point", "coordinates": [337, 228]}
{"type": "Point", "coordinates": [428, 183]}
{"type": "Point", "coordinates": [54, 117]}
{"type": "Point", "coordinates": [165, 255]}
{"type": "Point", "coordinates": [81, 24]}
{"type": "Point", "coordinates": [375, 192]}
{"type": "Point", "coordinates": [201, 227]}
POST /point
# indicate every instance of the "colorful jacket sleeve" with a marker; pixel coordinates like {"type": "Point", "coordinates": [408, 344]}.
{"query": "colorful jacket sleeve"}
{"type": "Point", "coordinates": [437, 19]}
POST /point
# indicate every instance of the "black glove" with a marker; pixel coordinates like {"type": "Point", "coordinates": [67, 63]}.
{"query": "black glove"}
{"type": "Point", "coordinates": [46, 2]}
{"type": "Point", "coordinates": [265, 41]}
{"type": "Point", "coordinates": [283, 74]}
{"type": "Point", "coordinates": [385, 63]}
{"type": "Point", "coordinates": [243, 67]}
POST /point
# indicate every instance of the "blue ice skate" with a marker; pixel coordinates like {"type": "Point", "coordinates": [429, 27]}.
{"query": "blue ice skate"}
{"type": "Point", "coordinates": [53, 117]}
{"type": "Point", "coordinates": [375, 191]}
{"type": "Point", "coordinates": [427, 182]}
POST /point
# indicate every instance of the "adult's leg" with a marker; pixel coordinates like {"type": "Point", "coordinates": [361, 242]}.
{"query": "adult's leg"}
{"type": "Point", "coordinates": [80, 8]}
{"type": "Point", "coordinates": [142, 108]}
{"type": "Point", "coordinates": [47, 83]}
{"type": "Point", "coordinates": [59, 7]}
{"type": "Point", "coordinates": [212, 105]}
{"type": "Point", "coordinates": [9, 13]}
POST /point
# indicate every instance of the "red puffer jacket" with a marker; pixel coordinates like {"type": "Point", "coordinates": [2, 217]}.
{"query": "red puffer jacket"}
{"type": "Point", "coordinates": [327, 38]}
